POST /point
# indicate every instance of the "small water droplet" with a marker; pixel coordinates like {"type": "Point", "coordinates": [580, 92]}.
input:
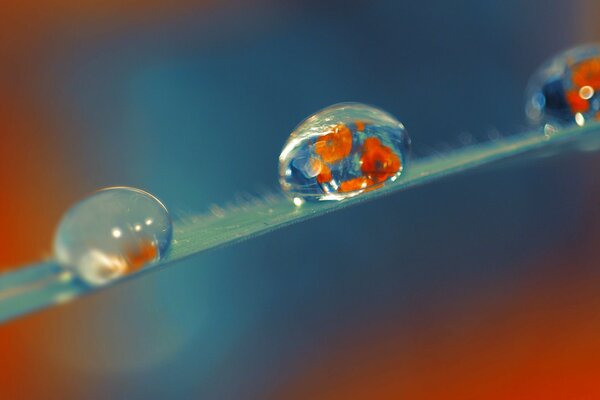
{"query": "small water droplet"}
{"type": "Point", "coordinates": [112, 233]}
{"type": "Point", "coordinates": [565, 89]}
{"type": "Point", "coordinates": [62, 298]}
{"type": "Point", "coordinates": [342, 151]}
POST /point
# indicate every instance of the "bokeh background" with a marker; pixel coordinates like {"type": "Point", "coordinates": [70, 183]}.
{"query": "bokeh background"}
{"type": "Point", "coordinates": [480, 286]}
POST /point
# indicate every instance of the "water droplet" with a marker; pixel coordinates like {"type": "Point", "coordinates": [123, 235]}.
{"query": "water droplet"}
{"type": "Point", "coordinates": [564, 90]}
{"type": "Point", "coordinates": [342, 151]}
{"type": "Point", "coordinates": [112, 233]}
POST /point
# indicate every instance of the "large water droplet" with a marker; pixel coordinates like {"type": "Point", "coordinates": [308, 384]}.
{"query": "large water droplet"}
{"type": "Point", "coordinates": [565, 89]}
{"type": "Point", "coordinates": [342, 151]}
{"type": "Point", "coordinates": [112, 233]}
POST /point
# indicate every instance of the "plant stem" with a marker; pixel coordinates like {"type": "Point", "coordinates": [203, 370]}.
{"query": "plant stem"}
{"type": "Point", "coordinates": [33, 287]}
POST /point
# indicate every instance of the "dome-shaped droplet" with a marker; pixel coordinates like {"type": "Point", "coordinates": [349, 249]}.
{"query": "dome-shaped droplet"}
{"type": "Point", "coordinates": [342, 151]}
{"type": "Point", "coordinates": [112, 233]}
{"type": "Point", "coordinates": [565, 90]}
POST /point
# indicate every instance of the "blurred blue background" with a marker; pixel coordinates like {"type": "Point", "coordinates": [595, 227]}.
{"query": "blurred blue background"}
{"type": "Point", "coordinates": [195, 108]}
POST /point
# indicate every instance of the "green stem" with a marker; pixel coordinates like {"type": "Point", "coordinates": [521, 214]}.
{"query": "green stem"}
{"type": "Point", "coordinates": [30, 288]}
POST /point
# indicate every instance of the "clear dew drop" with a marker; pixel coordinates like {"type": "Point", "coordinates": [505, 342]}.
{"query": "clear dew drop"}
{"type": "Point", "coordinates": [112, 233]}
{"type": "Point", "coordinates": [566, 89]}
{"type": "Point", "coordinates": [343, 151]}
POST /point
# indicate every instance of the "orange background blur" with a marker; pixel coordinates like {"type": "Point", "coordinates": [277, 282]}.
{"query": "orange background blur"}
{"type": "Point", "coordinates": [541, 342]}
